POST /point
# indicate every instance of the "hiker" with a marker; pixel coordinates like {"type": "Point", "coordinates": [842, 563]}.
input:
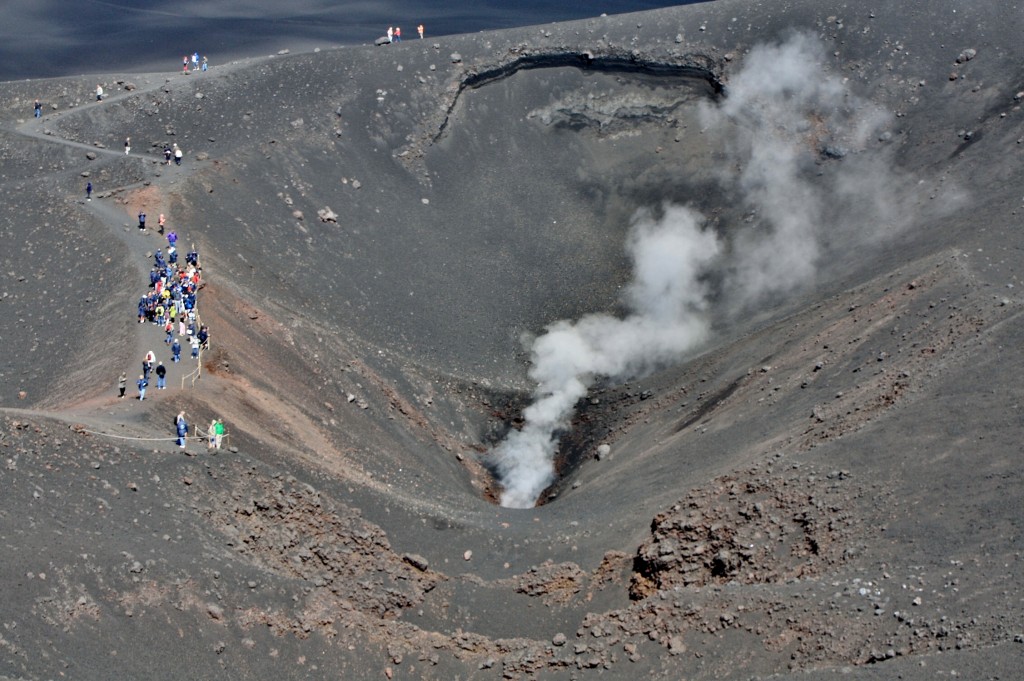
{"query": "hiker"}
{"type": "Point", "coordinates": [88, 191]}
{"type": "Point", "coordinates": [211, 434]}
{"type": "Point", "coordinates": [194, 342]}
{"type": "Point", "coordinates": [184, 64]}
{"type": "Point", "coordinates": [205, 64]}
{"type": "Point", "coordinates": [420, 30]}
{"type": "Point", "coordinates": [218, 434]}
{"type": "Point", "coordinates": [177, 155]}
{"type": "Point", "coordinates": [195, 61]}
{"type": "Point", "coordinates": [38, 109]}
{"type": "Point", "coordinates": [142, 383]}
{"type": "Point", "coordinates": [172, 238]}
{"type": "Point", "coordinates": [99, 93]}
{"type": "Point", "coordinates": [176, 351]}
{"type": "Point", "coordinates": [142, 221]}
{"type": "Point", "coordinates": [127, 145]}
{"type": "Point", "coordinates": [391, 34]}
{"type": "Point", "coordinates": [398, 34]}
{"type": "Point", "coordinates": [122, 383]}
{"type": "Point", "coordinates": [182, 427]}
{"type": "Point", "coordinates": [167, 155]}
{"type": "Point", "coordinates": [161, 376]}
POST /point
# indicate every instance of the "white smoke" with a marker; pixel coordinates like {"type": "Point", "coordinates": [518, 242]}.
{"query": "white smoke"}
{"type": "Point", "coordinates": [781, 109]}
{"type": "Point", "coordinates": [666, 299]}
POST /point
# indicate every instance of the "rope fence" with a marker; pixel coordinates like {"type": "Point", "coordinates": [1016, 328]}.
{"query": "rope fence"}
{"type": "Point", "coordinates": [198, 434]}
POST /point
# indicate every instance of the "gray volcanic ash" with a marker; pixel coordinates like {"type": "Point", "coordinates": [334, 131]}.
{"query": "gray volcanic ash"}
{"type": "Point", "coordinates": [765, 260]}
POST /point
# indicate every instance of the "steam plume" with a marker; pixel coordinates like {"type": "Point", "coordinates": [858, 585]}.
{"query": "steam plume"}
{"type": "Point", "coordinates": [781, 110]}
{"type": "Point", "coordinates": [666, 299]}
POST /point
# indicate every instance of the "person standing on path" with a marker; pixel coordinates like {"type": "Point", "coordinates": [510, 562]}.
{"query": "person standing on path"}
{"type": "Point", "coordinates": [219, 432]}
{"type": "Point", "coordinates": [88, 191]}
{"type": "Point", "coordinates": [99, 93]}
{"type": "Point", "coordinates": [182, 428]}
{"type": "Point", "coordinates": [177, 154]}
{"type": "Point", "coordinates": [172, 238]}
{"type": "Point", "coordinates": [195, 61]}
{"type": "Point", "coordinates": [161, 223]}
{"type": "Point", "coordinates": [142, 221]}
{"type": "Point", "coordinates": [161, 376]}
{"type": "Point", "coordinates": [391, 34]}
{"type": "Point", "coordinates": [184, 64]}
{"type": "Point", "coordinates": [142, 383]}
{"type": "Point", "coordinates": [419, 29]}
{"type": "Point", "coordinates": [167, 155]}
{"type": "Point", "coordinates": [127, 145]}
{"type": "Point", "coordinates": [122, 383]}
{"type": "Point", "coordinates": [398, 34]}
{"type": "Point", "coordinates": [211, 434]}
{"type": "Point", "coordinates": [194, 342]}
{"type": "Point", "coordinates": [38, 109]}
{"type": "Point", "coordinates": [176, 351]}
{"type": "Point", "coordinates": [205, 64]}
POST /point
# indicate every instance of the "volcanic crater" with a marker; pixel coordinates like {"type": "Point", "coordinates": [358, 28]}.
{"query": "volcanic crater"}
{"type": "Point", "coordinates": [820, 481]}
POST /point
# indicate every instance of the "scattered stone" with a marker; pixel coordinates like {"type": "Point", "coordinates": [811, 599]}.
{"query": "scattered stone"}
{"type": "Point", "coordinates": [91, 155]}
{"type": "Point", "coordinates": [456, 57]}
{"type": "Point", "coordinates": [558, 640]}
{"type": "Point", "coordinates": [467, 555]}
{"type": "Point", "coordinates": [417, 561]}
{"type": "Point", "coordinates": [327, 215]}
{"type": "Point", "coordinates": [603, 450]}
{"type": "Point", "coordinates": [215, 611]}
{"type": "Point", "coordinates": [966, 55]}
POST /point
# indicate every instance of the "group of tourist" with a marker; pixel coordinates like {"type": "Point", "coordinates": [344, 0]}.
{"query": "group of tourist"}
{"type": "Point", "coordinates": [394, 34]}
{"type": "Point", "coordinates": [196, 64]}
{"type": "Point", "coordinates": [170, 302]}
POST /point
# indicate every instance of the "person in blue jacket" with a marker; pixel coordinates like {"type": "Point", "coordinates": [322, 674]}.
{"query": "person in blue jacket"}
{"type": "Point", "coordinates": [182, 426]}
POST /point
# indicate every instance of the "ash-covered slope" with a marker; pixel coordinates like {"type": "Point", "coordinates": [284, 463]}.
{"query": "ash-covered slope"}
{"type": "Point", "coordinates": [830, 464]}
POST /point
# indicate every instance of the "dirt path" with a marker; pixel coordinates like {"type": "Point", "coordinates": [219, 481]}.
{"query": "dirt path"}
{"type": "Point", "coordinates": [106, 413]}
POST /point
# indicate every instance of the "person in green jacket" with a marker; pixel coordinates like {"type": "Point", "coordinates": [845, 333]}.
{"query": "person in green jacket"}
{"type": "Point", "coordinates": [218, 430]}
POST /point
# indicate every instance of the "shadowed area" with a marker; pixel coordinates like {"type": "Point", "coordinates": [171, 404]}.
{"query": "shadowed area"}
{"type": "Point", "coordinates": [724, 296]}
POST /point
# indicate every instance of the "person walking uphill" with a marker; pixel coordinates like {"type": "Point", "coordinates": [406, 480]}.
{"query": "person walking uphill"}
{"type": "Point", "coordinates": [88, 191]}
{"type": "Point", "coordinates": [142, 221]}
{"type": "Point", "coordinates": [122, 383]}
{"type": "Point", "coordinates": [161, 376]}
{"type": "Point", "coordinates": [142, 383]}
{"type": "Point", "coordinates": [38, 109]}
